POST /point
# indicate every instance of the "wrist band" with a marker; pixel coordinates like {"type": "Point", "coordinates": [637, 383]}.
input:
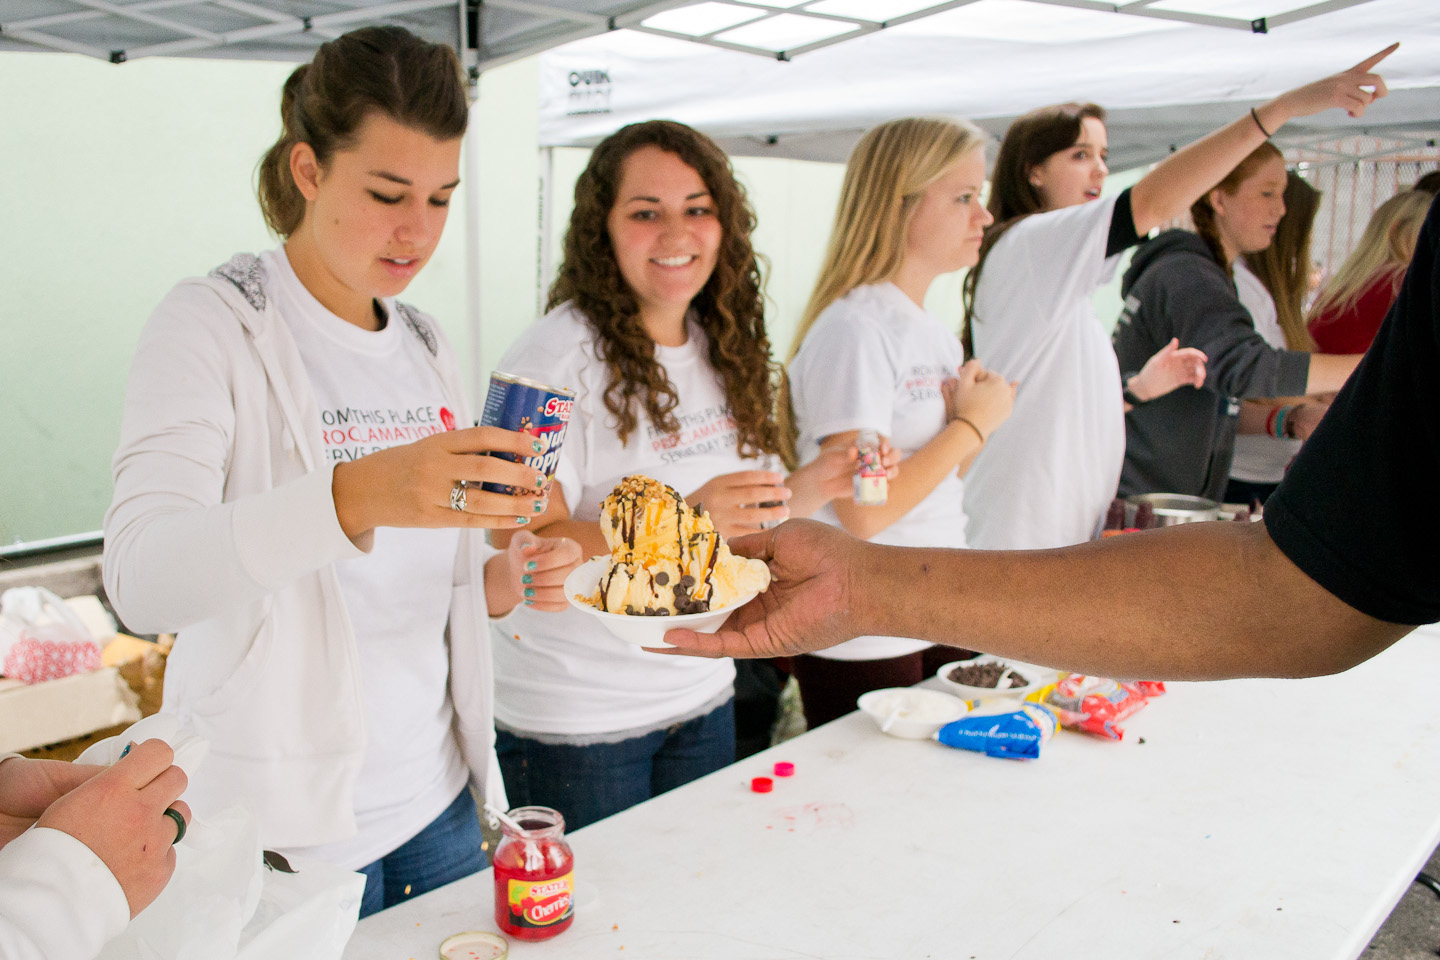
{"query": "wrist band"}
{"type": "Point", "coordinates": [1280, 416]}
{"type": "Point", "coordinates": [972, 427]}
{"type": "Point", "coordinates": [1256, 117]}
{"type": "Point", "coordinates": [1270, 423]}
{"type": "Point", "coordinates": [1126, 393]}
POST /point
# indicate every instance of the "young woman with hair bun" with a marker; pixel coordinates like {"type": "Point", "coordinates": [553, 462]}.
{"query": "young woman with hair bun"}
{"type": "Point", "coordinates": [656, 319]}
{"type": "Point", "coordinates": [869, 356]}
{"type": "Point", "coordinates": [1180, 285]}
{"type": "Point", "coordinates": [1048, 479]}
{"type": "Point", "coordinates": [297, 496]}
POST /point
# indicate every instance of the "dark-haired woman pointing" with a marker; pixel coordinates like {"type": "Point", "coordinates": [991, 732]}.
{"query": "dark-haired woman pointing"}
{"type": "Point", "coordinates": [1047, 480]}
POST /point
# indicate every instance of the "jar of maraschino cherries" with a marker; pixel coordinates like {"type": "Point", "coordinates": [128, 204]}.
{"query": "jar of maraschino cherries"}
{"type": "Point", "coordinates": [534, 875]}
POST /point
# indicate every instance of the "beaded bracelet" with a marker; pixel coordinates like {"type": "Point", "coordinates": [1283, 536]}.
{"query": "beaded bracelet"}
{"type": "Point", "coordinates": [1280, 416]}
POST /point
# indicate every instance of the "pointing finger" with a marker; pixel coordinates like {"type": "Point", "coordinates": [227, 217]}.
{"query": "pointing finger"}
{"type": "Point", "coordinates": [1366, 65]}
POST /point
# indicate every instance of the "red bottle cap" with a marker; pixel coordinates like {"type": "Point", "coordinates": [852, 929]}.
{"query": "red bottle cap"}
{"type": "Point", "coordinates": [784, 769]}
{"type": "Point", "coordinates": [762, 785]}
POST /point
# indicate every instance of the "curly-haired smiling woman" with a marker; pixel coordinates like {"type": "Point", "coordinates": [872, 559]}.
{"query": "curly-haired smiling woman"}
{"type": "Point", "coordinates": [657, 322]}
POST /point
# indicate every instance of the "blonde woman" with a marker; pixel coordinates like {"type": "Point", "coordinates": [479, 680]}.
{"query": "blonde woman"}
{"type": "Point", "coordinates": [869, 356]}
{"type": "Point", "coordinates": [1349, 310]}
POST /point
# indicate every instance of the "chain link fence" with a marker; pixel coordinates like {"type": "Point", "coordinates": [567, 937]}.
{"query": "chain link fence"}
{"type": "Point", "coordinates": [1356, 175]}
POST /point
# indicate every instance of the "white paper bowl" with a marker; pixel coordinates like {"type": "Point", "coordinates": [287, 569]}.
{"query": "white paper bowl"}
{"type": "Point", "coordinates": [1038, 677]}
{"type": "Point", "coordinates": [584, 580]}
{"type": "Point", "coordinates": [939, 709]}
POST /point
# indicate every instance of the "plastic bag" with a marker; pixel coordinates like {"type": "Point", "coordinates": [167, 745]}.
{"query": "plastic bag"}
{"type": "Point", "coordinates": [41, 638]}
{"type": "Point", "coordinates": [1002, 729]}
{"type": "Point", "coordinates": [308, 913]}
{"type": "Point", "coordinates": [223, 903]}
{"type": "Point", "coordinates": [1094, 704]}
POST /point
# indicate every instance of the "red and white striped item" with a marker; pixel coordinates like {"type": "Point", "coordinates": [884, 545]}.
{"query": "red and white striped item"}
{"type": "Point", "coordinates": [41, 638]}
{"type": "Point", "coordinates": [33, 659]}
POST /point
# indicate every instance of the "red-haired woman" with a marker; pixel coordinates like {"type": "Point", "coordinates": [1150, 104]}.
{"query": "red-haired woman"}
{"type": "Point", "coordinates": [1181, 286]}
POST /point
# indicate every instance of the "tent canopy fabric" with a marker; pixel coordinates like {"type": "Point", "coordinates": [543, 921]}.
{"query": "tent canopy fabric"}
{"type": "Point", "coordinates": [991, 60]}
{"type": "Point", "coordinates": [493, 31]}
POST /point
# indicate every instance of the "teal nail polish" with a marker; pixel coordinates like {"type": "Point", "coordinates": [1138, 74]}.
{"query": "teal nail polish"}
{"type": "Point", "coordinates": [521, 521]}
{"type": "Point", "coordinates": [540, 481]}
{"type": "Point", "coordinates": [531, 564]}
{"type": "Point", "coordinates": [127, 749]}
{"type": "Point", "coordinates": [529, 593]}
{"type": "Point", "coordinates": [529, 603]}
{"type": "Point", "coordinates": [527, 579]}
{"type": "Point", "coordinates": [537, 446]}
{"type": "Point", "coordinates": [539, 506]}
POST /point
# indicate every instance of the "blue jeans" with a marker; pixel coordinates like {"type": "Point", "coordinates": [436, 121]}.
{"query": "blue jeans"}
{"type": "Point", "coordinates": [589, 783]}
{"type": "Point", "coordinates": [448, 849]}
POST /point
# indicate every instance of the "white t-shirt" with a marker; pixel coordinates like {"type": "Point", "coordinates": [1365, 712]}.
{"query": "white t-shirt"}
{"type": "Point", "coordinates": [375, 390]}
{"type": "Point", "coordinates": [1258, 458]}
{"type": "Point", "coordinates": [563, 674]}
{"type": "Point", "coordinates": [874, 360]}
{"type": "Point", "coordinates": [1047, 476]}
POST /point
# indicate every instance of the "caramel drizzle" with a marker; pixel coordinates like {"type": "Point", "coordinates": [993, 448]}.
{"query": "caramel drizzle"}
{"type": "Point", "coordinates": [634, 504]}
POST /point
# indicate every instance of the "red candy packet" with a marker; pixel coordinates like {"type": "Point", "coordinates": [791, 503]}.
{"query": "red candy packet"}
{"type": "Point", "coordinates": [1096, 705]}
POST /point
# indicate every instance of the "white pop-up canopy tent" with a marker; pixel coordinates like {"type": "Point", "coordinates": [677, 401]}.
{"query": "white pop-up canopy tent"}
{"type": "Point", "coordinates": [487, 32]}
{"type": "Point", "coordinates": [1168, 71]}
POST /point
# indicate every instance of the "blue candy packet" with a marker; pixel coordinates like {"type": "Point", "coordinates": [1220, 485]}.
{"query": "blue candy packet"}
{"type": "Point", "coordinates": [1015, 732]}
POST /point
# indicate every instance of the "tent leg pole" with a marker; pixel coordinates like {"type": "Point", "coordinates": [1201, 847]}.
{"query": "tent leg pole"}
{"type": "Point", "coordinates": [545, 261]}
{"type": "Point", "coordinates": [473, 271]}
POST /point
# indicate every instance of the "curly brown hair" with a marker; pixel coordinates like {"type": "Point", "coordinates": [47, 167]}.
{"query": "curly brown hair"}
{"type": "Point", "coordinates": [730, 308]}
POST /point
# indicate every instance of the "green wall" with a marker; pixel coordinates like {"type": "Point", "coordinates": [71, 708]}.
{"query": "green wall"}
{"type": "Point", "coordinates": [116, 181]}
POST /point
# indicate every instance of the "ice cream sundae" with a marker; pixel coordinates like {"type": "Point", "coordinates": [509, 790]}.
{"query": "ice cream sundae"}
{"type": "Point", "coordinates": [666, 558]}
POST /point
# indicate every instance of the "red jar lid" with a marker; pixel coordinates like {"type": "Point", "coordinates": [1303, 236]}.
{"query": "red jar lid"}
{"type": "Point", "coordinates": [784, 769]}
{"type": "Point", "coordinates": [762, 784]}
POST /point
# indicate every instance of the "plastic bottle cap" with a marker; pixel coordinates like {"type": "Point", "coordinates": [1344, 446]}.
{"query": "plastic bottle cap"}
{"type": "Point", "coordinates": [762, 785]}
{"type": "Point", "coordinates": [784, 769]}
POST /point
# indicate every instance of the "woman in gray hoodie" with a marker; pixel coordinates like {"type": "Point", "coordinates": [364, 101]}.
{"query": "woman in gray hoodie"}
{"type": "Point", "coordinates": [1181, 285]}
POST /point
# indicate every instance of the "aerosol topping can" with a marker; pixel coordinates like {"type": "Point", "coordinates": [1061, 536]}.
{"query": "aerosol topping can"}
{"type": "Point", "coordinates": [514, 403]}
{"type": "Point", "coordinates": [870, 479]}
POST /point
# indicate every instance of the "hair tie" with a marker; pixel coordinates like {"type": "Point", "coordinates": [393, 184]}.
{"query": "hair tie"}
{"type": "Point", "coordinates": [1256, 117]}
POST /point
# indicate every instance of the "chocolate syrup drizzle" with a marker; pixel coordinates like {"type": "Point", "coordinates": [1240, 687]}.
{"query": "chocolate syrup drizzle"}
{"type": "Point", "coordinates": [692, 593]}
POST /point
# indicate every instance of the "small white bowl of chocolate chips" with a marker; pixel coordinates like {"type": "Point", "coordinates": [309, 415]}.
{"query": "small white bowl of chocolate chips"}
{"type": "Point", "coordinates": [989, 678]}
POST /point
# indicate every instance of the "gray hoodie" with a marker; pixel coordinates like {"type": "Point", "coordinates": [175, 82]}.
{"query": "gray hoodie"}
{"type": "Point", "coordinates": [1183, 442]}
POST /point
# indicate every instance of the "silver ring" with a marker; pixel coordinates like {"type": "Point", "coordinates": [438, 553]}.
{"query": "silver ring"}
{"type": "Point", "coordinates": [175, 815]}
{"type": "Point", "coordinates": [457, 496]}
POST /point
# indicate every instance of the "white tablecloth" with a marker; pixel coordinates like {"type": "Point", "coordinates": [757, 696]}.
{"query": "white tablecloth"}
{"type": "Point", "coordinates": [1246, 819]}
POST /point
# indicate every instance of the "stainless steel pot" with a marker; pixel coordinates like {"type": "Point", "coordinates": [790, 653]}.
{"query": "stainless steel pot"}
{"type": "Point", "coordinates": [1173, 508]}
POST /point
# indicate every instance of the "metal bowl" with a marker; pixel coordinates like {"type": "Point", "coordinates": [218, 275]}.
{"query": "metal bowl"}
{"type": "Point", "coordinates": [1173, 508]}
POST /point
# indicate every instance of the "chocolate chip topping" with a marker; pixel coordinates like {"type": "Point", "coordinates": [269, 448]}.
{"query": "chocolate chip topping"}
{"type": "Point", "coordinates": [986, 675]}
